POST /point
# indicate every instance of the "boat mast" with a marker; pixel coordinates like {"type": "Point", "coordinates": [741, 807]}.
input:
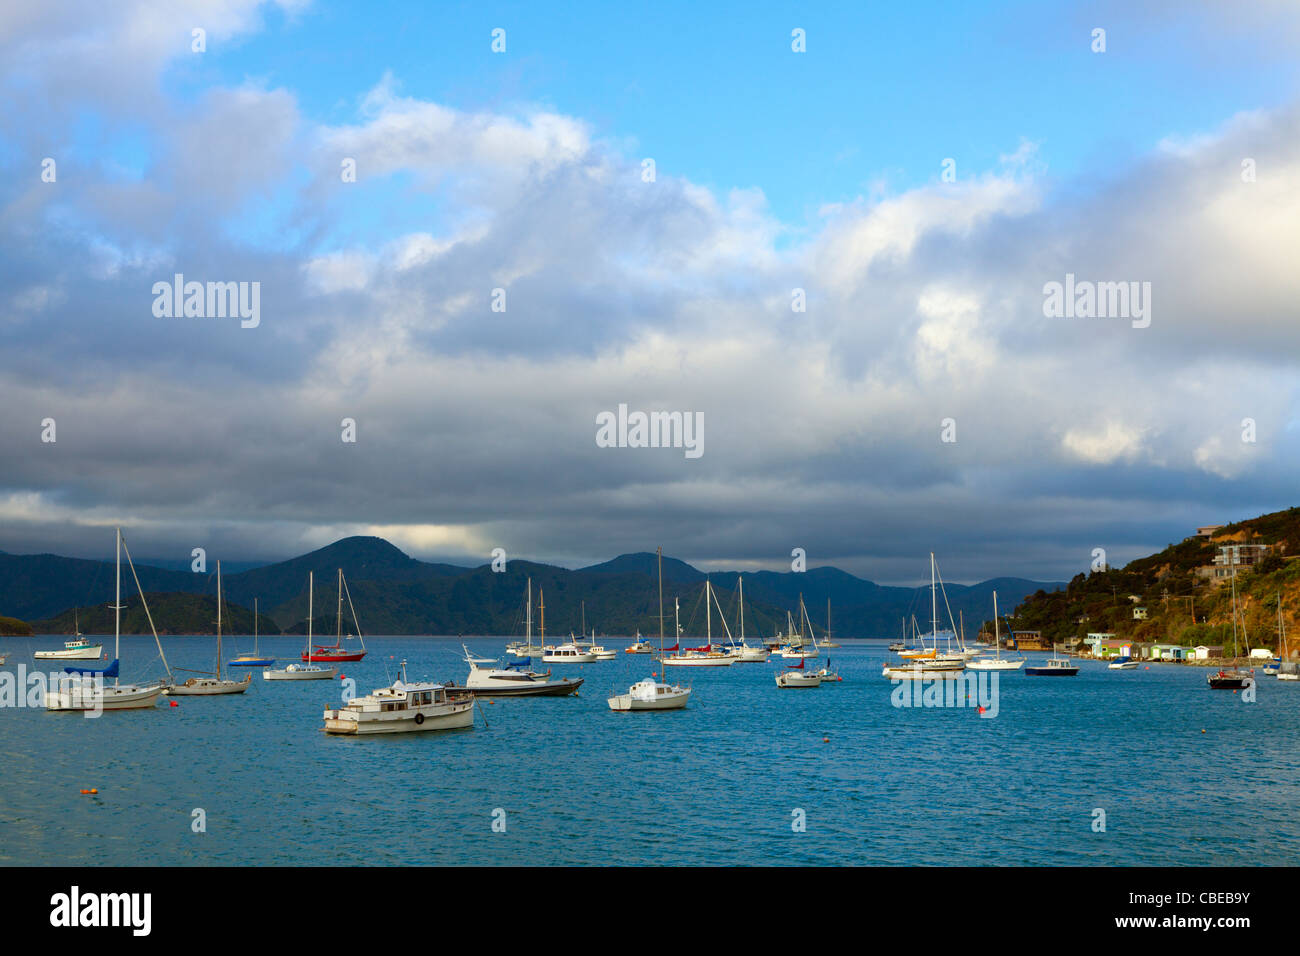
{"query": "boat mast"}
{"type": "Point", "coordinates": [708, 613]}
{"type": "Point", "coordinates": [338, 637]}
{"type": "Point", "coordinates": [934, 606]}
{"type": "Point", "coordinates": [218, 619]}
{"type": "Point", "coordinates": [528, 617]}
{"type": "Point", "coordinates": [541, 607]}
{"type": "Point", "coordinates": [660, 553]}
{"type": "Point", "coordinates": [740, 584]}
{"type": "Point", "coordinates": [1234, 615]}
{"type": "Point", "coordinates": [117, 607]}
{"type": "Point", "coordinates": [254, 627]}
{"type": "Point", "coordinates": [828, 620]}
{"type": "Point", "coordinates": [997, 636]}
{"type": "Point", "coordinates": [310, 586]}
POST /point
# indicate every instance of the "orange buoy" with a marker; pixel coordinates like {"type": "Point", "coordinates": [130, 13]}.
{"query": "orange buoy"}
{"type": "Point", "coordinates": [826, 740]}
{"type": "Point", "coordinates": [981, 708]}
{"type": "Point", "coordinates": [91, 790]}
{"type": "Point", "coordinates": [172, 704]}
{"type": "Point", "coordinates": [343, 677]}
{"type": "Point", "coordinates": [1202, 730]}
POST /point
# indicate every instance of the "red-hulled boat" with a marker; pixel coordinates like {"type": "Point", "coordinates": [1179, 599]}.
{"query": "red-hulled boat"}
{"type": "Point", "coordinates": [328, 653]}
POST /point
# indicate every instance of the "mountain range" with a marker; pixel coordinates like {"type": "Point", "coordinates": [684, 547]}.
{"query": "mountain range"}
{"type": "Point", "coordinates": [394, 593]}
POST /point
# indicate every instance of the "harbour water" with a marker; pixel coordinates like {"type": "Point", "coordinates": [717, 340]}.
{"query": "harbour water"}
{"type": "Point", "coordinates": [1183, 774]}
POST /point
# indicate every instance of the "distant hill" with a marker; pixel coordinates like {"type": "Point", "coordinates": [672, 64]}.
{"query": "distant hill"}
{"type": "Point", "coordinates": [172, 613]}
{"type": "Point", "coordinates": [1182, 608]}
{"type": "Point", "coordinates": [12, 627]}
{"type": "Point", "coordinates": [394, 593]}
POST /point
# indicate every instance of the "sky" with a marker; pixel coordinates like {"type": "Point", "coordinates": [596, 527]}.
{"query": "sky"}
{"type": "Point", "coordinates": [839, 264]}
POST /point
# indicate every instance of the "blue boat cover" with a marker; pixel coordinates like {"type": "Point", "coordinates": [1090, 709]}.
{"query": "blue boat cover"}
{"type": "Point", "coordinates": [109, 671]}
{"type": "Point", "coordinates": [521, 662]}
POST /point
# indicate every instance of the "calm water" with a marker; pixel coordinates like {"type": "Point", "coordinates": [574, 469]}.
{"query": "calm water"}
{"type": "Point", "coordinates": [714, 784]}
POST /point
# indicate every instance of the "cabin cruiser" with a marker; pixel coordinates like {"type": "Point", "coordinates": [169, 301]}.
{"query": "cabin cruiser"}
{"type": "Point", "coordinates": [651, 695]}
{"type": "Point", "coordinates": [1124, 663]}
{"type": "Point", "coordinates": [1053, 667]}
{"type": "Point", "coordinates": [639, 646]}
{"type": "Point", "coordinates": [569, 653]}
{"type": "Point", "coordinates": [513, 680]}
{"type": "Point", "coordinates": [402, 708]}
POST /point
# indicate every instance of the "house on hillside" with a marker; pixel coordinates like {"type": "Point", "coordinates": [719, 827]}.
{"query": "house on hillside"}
{"type": "Point", "coordinates": [1233, 558]}
{"type": "Point", "coordinates": [1139, 614]}
{"type": "Point", "coordinates": [1113, 647]}
{"type": "Point", "coordinates": [1094, 638]}
{"type": "Point", "coordinates": [1030, 641]}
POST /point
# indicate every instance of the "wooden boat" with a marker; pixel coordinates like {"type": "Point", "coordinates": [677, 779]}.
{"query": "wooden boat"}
{"type": "Point", "coordinates": [402, 708]}
{"type": "Point", "coordinates": [651, 694]}
{"type": "Point", "coordinates": [708, 655]}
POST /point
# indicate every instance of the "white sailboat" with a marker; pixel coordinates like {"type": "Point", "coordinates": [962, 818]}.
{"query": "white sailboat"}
{"type": "Point", "coordinates": [568, 653]}
{"type": "Point", "coordinates": [706, 656]}
{"type": "Point", "coordinates": [85, 688]}
{"type": "Point", "coordinates": [526, 648]}
{"type": "Point", "coordinates": [801, 650]}
{"type": "Point", "coordinates": [307, 670]}
{"type": "Point", "coordinates": [651, 694]}
{"type": "Point", "coordinates": [209, 686]}
{"type": "Point", "coordinates": [930, 661]}
{"type": "Point", "coordinates": [254, 659]}
{"type": "Point", "coordinates": [745, 653]}
{"type": "Point", "coordinates": [828, 642]}
{"type": "Point", "coordinates": [997, 662]}
{"type": "Point", "coordinates": [796, 676]}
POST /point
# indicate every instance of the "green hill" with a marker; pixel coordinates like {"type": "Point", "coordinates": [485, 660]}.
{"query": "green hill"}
{"type": "Point", "coordinates": [1182, 607]}
{"type": "Point", "coordinates": [12, 627]}
{"type": "Point", "coordinates": [172, 614]}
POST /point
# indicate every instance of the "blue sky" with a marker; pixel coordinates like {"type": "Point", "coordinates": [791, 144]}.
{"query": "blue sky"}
{"type": "Point", "coordinates": [713, 91]}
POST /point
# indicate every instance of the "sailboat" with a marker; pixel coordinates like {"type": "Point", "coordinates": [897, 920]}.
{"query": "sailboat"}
{"type": "Point", "coordinates": [708, 655]}
{"type": "Point", "coordinates": [746, 653]}
{"type": "Point", "coordinates": [526, 648]}
{"type": "Point", "coordinates": [800, 649]}
{"type": "Point", "coordinates": [306, 671]}
{"type": "Point", "coordinates": [924, 661]}
{"type": "Point", "coordinates": [1287, 669]}
{"type": "Point", "coordinates": [335, 652]}
{"type": "Point", "coordinates": [85, 690]}
{"type": "Point", "coordinates": [601, 653]}
{"type": "Point", "coordinates": [651, 694]}
{"type": "Point", "coordinates": [211, 685]}
{"type": "Point", "coordinates": [254, 659]}
{"type": "Point", "coordinates": [997, 662]}
{"type": "Point", "coordinates": [828, 642]}
{"type": "Point", "coordinates": [78, 649]}
{"type": "Point", "coordinates": [1272, 666]}
{"type": "Point", "coordinates": [795, 676]}
{"type": "Point", "coordinates": [570, 653]}
{"type": "Point", "coordinates": [1231, 678]}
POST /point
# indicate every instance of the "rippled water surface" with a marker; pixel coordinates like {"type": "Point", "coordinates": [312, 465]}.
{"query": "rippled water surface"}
{"type": "Point", "coordinates": [1185, 775]}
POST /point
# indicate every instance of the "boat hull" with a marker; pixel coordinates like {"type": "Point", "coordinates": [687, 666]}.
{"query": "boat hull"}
{"type": "Point", "coordinates": [122, 697]}
{"type": "Point", "coordinates": [319, 657]}
{"type": "Point", "coordinates": [455, 716]}
{"type": "Point", "coordinates": [994, 665]}
{"type": "Point", "coordinates": [208, 687]}
{"type": "Point", "coordinates": [1051, 671]}
{"type": "Point", "coordinates": [798, 680]}
{"type": "Point", "coordinates": [251, 662]}
{"type": "Point", "coordinates": [674, 700]}
{"type": "Point", "coordinates": [325, 673]}
{"type": "Point", "coordinates": [80, 654]}
{"type": "Point", "coordinates": [552, 688]}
